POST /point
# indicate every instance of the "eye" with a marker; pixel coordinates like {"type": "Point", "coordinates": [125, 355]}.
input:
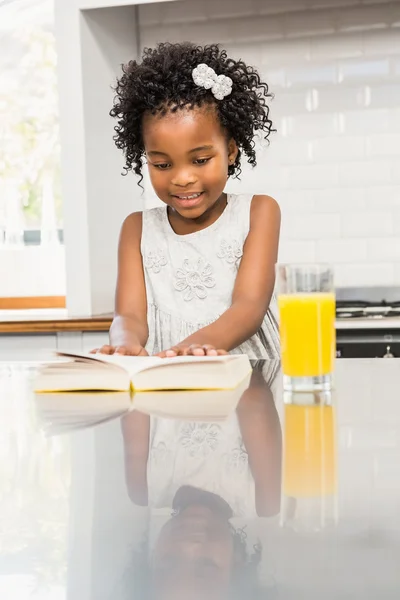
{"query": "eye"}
{"type": "Point", "coordinates": [201, 161]}
{"type": "Point", "coordinates": [162, 166]}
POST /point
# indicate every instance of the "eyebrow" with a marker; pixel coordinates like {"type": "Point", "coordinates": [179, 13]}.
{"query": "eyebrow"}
{"type": "Point", "coordinates": [154, 152]}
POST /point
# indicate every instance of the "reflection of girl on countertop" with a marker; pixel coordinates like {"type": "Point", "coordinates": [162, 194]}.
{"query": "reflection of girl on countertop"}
{"type": "Point", "coordinates": [238, 459]}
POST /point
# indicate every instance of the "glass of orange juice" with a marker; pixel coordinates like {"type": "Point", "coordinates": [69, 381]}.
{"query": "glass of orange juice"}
{"type": "Point", "coordinates": [309, 476]}
{"type": "Point", "coordinates": [306, 300]}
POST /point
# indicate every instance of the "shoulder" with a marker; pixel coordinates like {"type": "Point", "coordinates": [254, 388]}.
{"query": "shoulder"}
{"type": "Point", "coordinates": [132, 224]}
{"type": "Point", "coordinates": [264, 208]}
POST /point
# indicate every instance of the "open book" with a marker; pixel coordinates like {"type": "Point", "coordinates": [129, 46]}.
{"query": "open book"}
{"type": "Point", "coordinates": [141, 373]}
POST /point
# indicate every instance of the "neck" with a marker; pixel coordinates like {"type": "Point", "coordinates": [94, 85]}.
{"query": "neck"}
{"type": "Point", "coordinates": [182, 226]}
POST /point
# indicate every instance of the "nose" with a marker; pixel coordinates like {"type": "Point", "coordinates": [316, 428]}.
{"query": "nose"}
{"type": "Point", "coordinates": [183, 178]}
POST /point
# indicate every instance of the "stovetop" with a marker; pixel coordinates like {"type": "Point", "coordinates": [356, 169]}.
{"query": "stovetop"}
{"type": "Point", "coordinates": [368, 302]}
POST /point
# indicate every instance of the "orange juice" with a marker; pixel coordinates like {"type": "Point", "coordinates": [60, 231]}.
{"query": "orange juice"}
{"type": "Point", "coordinates": [307, 330]}
{"type": "Point", "coordinates": [310, 451]}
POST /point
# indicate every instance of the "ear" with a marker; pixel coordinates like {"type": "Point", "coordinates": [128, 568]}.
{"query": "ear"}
{"type": "Point", "coordinates": [232, 151]}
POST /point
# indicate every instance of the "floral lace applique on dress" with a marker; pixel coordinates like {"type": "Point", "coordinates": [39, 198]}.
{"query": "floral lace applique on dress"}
{"type": "Point", "coordinates": [194, 279]}
{"type": "Point", "coordinates": [230, 251]}
{"type": "Point", "coordinates": [154, 261]}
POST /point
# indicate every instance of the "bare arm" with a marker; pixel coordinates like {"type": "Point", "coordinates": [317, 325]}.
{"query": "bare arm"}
{"type": "Point", "coordinates": [135, 431]}
{"type": "Point", "coordinates": [129, 327]}
{"type": "Point", "coordinates": [262, 437]}
{"type": "Point", "coordinates": [254, 282]}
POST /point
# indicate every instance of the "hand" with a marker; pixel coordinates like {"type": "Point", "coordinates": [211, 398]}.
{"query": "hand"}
{"type": "Point", "coordinates": [121, 350]}
{"type": "Point", "coordinates": [191, 350]}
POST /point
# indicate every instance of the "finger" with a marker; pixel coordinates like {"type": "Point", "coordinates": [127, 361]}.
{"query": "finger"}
{"type": "Point", "coordinates": [106, 349]}
{"type": "Point", "coordinates": [94, 351]}
{"type": "Point", "coordinates": [196, 350]}
{"type": "Point", "coordinates": [222, 352]}
{"type": "Point", "coordinates": [172, 352]}
{"type": "Point", "coordinates": [210, 350]}
{"type": "Point", "coordinates": [161, 354]}
{"type": "Point", "coordinates": [143, 352]}
{"type": "Point", "coordinates": [121, 350]}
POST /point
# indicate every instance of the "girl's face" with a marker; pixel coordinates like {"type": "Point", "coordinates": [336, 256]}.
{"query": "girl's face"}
{"type": "Point", "coordinates": [188, 157]}
{"type": "Point", "coordinates": [194, 556]}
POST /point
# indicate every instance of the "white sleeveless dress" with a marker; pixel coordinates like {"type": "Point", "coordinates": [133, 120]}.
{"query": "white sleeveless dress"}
{"type": "Point", "coordinates": [190, 278]}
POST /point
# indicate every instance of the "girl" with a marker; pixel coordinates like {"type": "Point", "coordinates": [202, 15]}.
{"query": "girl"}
{"type": "Point", "coordinates": [197, 275]}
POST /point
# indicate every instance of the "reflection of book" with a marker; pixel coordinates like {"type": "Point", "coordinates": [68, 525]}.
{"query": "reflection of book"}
{"type": "Point", "coordinates": [66, 411]}
{"type": "Point", "coordinates": [120, 373]}
{"type": "Point", "coordinates": [202, 405]}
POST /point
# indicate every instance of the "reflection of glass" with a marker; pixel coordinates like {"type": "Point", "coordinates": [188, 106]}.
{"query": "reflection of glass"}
{"type": "Point", "coordinates": [310, 462]}
{"type": "Point", "coordinates": [307, 325]}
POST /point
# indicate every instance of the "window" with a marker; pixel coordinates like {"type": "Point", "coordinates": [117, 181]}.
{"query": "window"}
{"type": "Point", "coordinates": [31, 228]}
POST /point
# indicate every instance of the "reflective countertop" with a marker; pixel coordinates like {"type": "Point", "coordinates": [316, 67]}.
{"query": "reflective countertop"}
{"type": "Point", "coordinates": [217, 495]}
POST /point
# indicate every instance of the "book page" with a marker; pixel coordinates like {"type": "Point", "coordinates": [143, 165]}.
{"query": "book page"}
{"type": "Point", "coordinates": [131, 364]}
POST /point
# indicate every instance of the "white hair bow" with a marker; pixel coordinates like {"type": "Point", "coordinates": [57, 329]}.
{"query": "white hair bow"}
{"type": "Point", "coordinates": [205, 77]}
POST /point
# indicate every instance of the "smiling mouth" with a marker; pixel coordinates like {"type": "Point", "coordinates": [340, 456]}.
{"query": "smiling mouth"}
{"type": "Point", "coordinates": [192, 196]}
{"type": "Point", "coordinates": [188, 199]}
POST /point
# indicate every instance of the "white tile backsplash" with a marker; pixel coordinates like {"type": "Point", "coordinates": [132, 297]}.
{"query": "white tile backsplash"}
{"type": "Point", "coordinates": [334, 164]}
{"type": "Point", "coordinates": [366, 224]}
{"type": "Point", "coordinates": [331, 251]}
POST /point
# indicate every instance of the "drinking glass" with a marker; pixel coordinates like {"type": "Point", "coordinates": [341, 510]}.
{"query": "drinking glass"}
{"type": "Point", "coordinates": [306, 300]}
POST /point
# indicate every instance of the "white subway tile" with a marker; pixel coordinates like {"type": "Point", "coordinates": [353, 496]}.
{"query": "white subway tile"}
{"type": "Point", "coordinates": [311, 227]}
{"type": "Point", "coordinates": [361, 18]}
{"type": "Point", "coordinates": [396, 220]}
{"type": "Point", "coordinates": [279, 6]}
{"type": "Point", "coordinates": [394, 120]}
{"type": "Point", "coordinates": [364, 274]}
{"type": "Point", "coordinates": [276, 78]}
{"type": "Point", "coordinates": [338, 149]}
{"type": "Point", "coordinates": [337, 46]}
{"type": "Point", "coordinates": [384, 249]}
{"type": "Point", "coordinates": [313, 125]}
{"type": "Point", "coordinates": [341, 251]}
{"type": "Point", "coordinates": [149, 14]}
{"type": "Point", "coordinates": [286, 52]}
{"type": "Point", "coordinates": [297, 251]}
{"type": "Point", "coordinates": [396, 279]}
{"type": "Point", "coordinates": [297, 202]}
{"type": "Point", "coordinates": [381, 43]}
{"type": "Point", "coordinates": [395, 170]}
{"type": "Point", "coordinates": [338, 200]}
{"type": "Point", "coordinates": [364, 70]}
{"type": "Point", "coordinates": [385, 95]}
{"type": "Point", "coordinates": [342, 98]}
{"type": "Point", "coordinates": [331, 3]}
{"type": "Point", "coordinates": [395, 14]}
{"type": "Point", "coordinates": [308, 23]}
{"type": "Point", "coordinates": [367, 224]}
{"type": "Point", "coordinates": [312, 74]}
{"type": "Point", "coordinates": [223, 9]}
{"type": "Point", "coordinates": [290, 151]}
{"type": "Point", "coordinates": [290, 102]}
{"type": "Point", "coordinates": [369, 172]}
{"type": "Point", "coordinates": [252, 29]}
{"type": "Point", "coordinates": [383, 197]}
{"type": "Point", "coordinates": [383, 145]}
{"type": "Point", "coordinates": [174, 12]}
{"type": "Point", "coordinates": [313, 176]}
{"type": "Point", "coordinates": [368, 122]}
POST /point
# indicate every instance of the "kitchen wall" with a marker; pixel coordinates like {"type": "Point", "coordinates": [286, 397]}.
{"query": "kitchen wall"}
{"type": "Point", "coordinates": [334, 163]}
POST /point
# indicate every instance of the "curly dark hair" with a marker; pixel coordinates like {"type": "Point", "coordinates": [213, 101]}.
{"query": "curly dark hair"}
{"type": "Point", "coordinates": [163, 82]}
